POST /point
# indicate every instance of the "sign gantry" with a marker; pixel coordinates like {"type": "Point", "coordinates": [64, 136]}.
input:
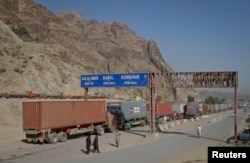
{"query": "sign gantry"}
{"type": "Point", "coordinates": [223, 79]}
{"type": "Point", "coordinates": [195, 79]}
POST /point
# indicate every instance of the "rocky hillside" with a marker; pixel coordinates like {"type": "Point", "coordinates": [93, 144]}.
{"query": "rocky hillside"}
{"type": "Point", "coordinates": [47, 53]}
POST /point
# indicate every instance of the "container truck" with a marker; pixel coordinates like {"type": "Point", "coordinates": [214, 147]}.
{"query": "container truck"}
{"type": "Point", "coordinates": [163, 110]}
{"type": "Point", "coordinates": [191, 110]}
{"type": "Point", "coordinates": [128, 113]}
{"type": "Point", "coordinates": [53, 121]}
{"type": "Point", "coordinates": [178, 109]}
{"type": "Point", "coordinates": [206, 109]}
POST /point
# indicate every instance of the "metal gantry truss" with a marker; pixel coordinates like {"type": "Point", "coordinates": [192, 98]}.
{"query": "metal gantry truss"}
{"type": "Point", "coordinates": [195, 79]}
{"type": "Point", "coordinates": [223, 79]}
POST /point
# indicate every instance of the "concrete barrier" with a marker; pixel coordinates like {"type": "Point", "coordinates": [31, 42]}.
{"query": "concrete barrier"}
{"type": "Point", "coordinates": [177, 122]}
{"type": "Point", "coordinates": [184, 121]}
{"type": "Point", "coordinates": [171, 124]}
{"type": "Point", "coordinates": [205, 116]}
{"type": "Point", "coordinates": [161, 128]}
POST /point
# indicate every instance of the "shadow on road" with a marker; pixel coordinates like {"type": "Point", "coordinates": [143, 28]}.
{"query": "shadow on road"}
{"type": "Point", "coordinates": [194, 136]}
{"type": "Point", "coordinates": [136, 133]}
{"type": "Point", "coordinates": [83, 151]}
{"type": "Point", "coordinates": [112, 144]}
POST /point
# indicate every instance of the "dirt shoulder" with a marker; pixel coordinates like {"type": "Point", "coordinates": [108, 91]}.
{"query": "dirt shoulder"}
{"type": "Point", "coordinates": [11, 133]}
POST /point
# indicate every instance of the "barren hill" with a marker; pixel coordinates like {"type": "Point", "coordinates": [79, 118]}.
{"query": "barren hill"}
{"type": "Point", "coordinates": [47, 53]}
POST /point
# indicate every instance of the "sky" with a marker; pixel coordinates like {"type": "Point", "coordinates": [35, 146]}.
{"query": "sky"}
{"type": "Point", "coordinates": [192, 35]}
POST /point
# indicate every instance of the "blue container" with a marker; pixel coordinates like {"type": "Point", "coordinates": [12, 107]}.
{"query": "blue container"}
{"type": "Point", "coordinates": [128, 109]}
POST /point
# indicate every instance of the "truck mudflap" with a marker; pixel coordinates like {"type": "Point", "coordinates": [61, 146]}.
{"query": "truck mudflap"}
{"type": "Point", "coordinates": [34, 136]}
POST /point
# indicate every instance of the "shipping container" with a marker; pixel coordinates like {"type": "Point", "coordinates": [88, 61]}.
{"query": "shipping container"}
{"type": "Point", "coordinates": [206, 109]}
{"type": "Point", "coordinates": [128, 113]}
{"type": "Point", "coordinates": [162, 110]}
{"type": "Point", "coordinates": [178, 109]}
{"type": "Point", "coordinates": [217, 108]}
{"type": "Point", "coordinates": [191, 110]}
{"type": "Point", "coordinates": [212, 108]}
{"type": "Point", "coordinates": [200, 107]}
{"type": "Point", "coordinates": [55, 120]}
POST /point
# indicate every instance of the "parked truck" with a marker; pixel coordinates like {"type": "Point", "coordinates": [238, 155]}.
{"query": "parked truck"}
{"type": "Point", "coordinates": [163, 111]}
{"type": "Point", "coordinates": [128, 113]}
{"type": "Point", "coordinates": [191, 110]}
{"type": "Point", "coordinates": [53, 121]}
{"type": "Point", "coordinates": [178, 109]}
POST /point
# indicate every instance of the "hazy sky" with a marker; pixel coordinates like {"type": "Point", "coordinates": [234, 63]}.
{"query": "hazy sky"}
{"type": "Point", "coordinates": [192, 35]}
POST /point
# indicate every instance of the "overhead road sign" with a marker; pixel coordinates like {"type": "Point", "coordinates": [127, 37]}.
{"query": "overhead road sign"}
{"type": "Point", "coordinates": [115, 80]}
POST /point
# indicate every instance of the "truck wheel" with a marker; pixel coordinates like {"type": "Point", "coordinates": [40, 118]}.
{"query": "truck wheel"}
{"type": "Point", "coordinates": [100, 130]}
{"type": "Point", "coordinates": [62, 136]}
{"type": "Point", "coordinates": [53, 138]}
{"type": "Point", "coordinates": [128, 126]}
{"type": "Point", "coordinates": [112, 129]}
{"type": "Point", "coordinates": [142, 123]}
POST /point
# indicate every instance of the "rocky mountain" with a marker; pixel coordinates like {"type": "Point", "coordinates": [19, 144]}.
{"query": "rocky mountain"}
{"type": "Point", "coordinates": [47, 53]}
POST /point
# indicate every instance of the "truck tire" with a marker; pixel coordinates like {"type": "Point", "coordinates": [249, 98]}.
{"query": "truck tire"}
{"type": "Point", "coordinates": [127, 126]}
{"type": "Point", "coordinates": [53, 138]}
{"type": "Point", "coordinates": [142, 123]}
{"type": "Point", "coordinates": [100, 130]}
{"type": "Point", "coordinates": [62, 137]}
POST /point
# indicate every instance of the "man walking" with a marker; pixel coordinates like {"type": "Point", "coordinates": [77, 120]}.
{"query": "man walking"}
{"type": "Point", "coordinates": [117, 138]}
{"type": "Point", "coordinates": [88, 143]}
{"type": "Point", "coordinates": [199, 130]}
{"type": "Point", "coordinates": [96, 144]}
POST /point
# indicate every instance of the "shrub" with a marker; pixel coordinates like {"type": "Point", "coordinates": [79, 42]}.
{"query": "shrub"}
{"type": "Point", "coordinates": [2, 70]}
{"type": "Point", "coordinates": [25, 61]}
{"type": "Point", "coordinates": [18, 70]}
{"type": "Point", "coordinates": [18, 46]}
{"type": "Point", "coordinates": [21, 31]}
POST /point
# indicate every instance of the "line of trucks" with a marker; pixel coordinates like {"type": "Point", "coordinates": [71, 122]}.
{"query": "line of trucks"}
{"type": "Point", "coordinates": [54, 121]}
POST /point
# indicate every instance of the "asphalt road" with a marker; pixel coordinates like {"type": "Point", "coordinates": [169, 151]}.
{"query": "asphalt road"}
{"type": "Point", "coordinates": [136, 146]}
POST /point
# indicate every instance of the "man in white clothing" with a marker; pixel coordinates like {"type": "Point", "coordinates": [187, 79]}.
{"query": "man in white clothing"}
{"type": "Point", "coordinates": [199, 130]}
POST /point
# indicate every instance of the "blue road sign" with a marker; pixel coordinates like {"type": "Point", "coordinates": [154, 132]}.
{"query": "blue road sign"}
{"type": "Point", "coordinates": [115, 80]}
